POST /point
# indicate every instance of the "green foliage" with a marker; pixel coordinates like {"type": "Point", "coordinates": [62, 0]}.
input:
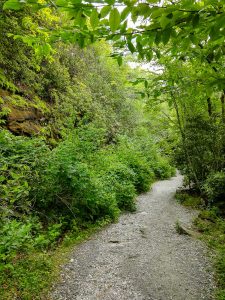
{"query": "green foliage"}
{"type": "Point", "coordinates": [101, 153]}
{"type": "Point", "coordinates": [17, 283]}
{"type": "Point", "coordinates": [212, 228]}
{"type": "Point", "coordinates": [162, 168]}
{"type": "Point", "coordinates": [189, 200]}
{"type": "Point", "coordinates": [21, 161]}
{"type": "Point", "coordinates": [214, 188]}
{"type": "Point", "coordinates": [15, 238]}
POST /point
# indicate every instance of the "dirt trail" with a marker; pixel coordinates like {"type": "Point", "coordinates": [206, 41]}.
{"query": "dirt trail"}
{"type": "Point", "coordinates": [141, 257]}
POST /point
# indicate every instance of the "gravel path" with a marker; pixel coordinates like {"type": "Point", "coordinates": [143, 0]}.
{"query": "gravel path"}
{"type": "Point", "coordinates": [141, 257]}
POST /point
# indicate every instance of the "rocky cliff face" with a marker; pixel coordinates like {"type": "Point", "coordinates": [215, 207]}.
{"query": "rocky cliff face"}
{"type": "Point", "coordinates": [21, 117]}
{"type": "Point", "coordinates": [24, 121]}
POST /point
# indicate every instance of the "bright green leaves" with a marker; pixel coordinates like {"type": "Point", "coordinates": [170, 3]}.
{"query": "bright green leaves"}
{"type": "Point", "coordinates": [105, 11]}
{"type": "Point", "coordinates": [12, 4]}
{"type": "Point", "coordinates": [114, 19]}
{"type": "Point", "coordinates": [94, 20]}
{"type": "Point", "coordinates": [131, 47]}
{"type": "Point", "coordinates": [110, 2]}
{"type": "Point", "coordinates": [125, 13]}
{"type": "Point", "coordinates": [164, 21]}
{"type": "Point", "coordinates": [61, 3]}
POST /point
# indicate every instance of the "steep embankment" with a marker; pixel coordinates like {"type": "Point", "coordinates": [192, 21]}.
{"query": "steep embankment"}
{"type": "Point", "coordinates": [141, 257]}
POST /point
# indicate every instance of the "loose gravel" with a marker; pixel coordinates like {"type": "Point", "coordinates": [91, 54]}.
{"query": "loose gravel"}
{"type": "Point", "coordinates": [141, 257]}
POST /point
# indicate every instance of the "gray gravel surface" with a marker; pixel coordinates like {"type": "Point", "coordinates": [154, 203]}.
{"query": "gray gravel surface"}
{"type": "Point", "coordinates": [141, 257]}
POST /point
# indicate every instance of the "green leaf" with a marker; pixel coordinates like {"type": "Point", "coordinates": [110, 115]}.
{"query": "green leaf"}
{"type": "Point", "coordinates": [110, 2]}
{"type": "Point", "coordinates": [123, 27]}
{"type": "Point", "coordinates": [125, 13]}
{"type": "Point", "coordinates": [158, 54]}
{"type": "Point", "coordinates": [139, 47]}
{"type": "Point", "coordinates": [114, 19]}
{"type": "Point", "coordinates": [94, 20]}
{"type": "Point", "coordinates": [214, 34]}
{"type": "Point", "coordinates": [105, 11]}
{"type": "Point", "coordinates": [12, 4]}
{"type": "Point", "coordinates": [158, 37]}
{"type": "Point", "coordinates": [164, 21]}
{"type": "Point", "coordinates": [2, 178]}
{"type": "Point", "coordinates": [61, 3]}
{"type": "Point", "coordinates": [166, 36]}
{"type": "Point", "coordinates": [131, 47]}
{"type": "Point", "coordinates": [149, 55]}
{"type": "Point", "coordinates": [119, 60]}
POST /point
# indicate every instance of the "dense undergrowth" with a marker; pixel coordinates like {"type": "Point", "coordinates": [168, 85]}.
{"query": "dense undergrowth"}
{"type": "Point", "coordinates": [211, 226]}
{"type": "Point", "coordinates": [75, 151]}
{"type": "Point", "coordinates": [48, 193]}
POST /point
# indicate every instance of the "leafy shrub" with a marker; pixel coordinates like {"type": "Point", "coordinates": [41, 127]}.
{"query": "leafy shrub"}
{"type": "Point", "coordinates": [21, 163]}
{"type": "Point", "coordinates": [15, 237]}
{"type": "Point", "coordinates": [214, 188]}
{"type": "Point", "coordinates": [121, 180]}
{"type": "Point", "coordinates": [72, 187]}
{"type": "Point", "coordinates": [25, 236]}
{"type": "Point", "coordinates": [162, 169]}
{"type": "Point", "coordinates": [129, 154]}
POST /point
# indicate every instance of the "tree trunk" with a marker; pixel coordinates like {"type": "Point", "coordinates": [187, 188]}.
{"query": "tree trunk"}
{"type": "Point", "coordinates": [188, 159]}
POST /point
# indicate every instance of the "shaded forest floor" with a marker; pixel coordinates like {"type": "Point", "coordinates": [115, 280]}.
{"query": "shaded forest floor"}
{"type": "Point", "coordinates": [142, 256]}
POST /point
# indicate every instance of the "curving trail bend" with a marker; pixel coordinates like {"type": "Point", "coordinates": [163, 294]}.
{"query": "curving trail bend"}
{"type": "Point", "coordinates": [141, 257]}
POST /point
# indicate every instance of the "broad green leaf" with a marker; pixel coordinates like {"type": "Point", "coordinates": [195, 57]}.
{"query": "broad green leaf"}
{"type": "Point", "coordinates": [157, 12]}
{"type": "Point", "coordinates": [105, 11]}
{"type": "Point", "coordinates": [166, 36]}
{"type": "Point", "coordinates": [134, 15]}
{"type": "Point", "coordinates": [12, 4]}
{"type": "Point", "coordinates": [114, 19]}
{"type": "Point", "coordinates": [94, 20]}
{"type": "Point", "coordinates": [139, 47]}
{"type": "Point", "coordinates": [131, 47]}
{"type": "Point", "coordinates": [220, 21]}
{"type": "Point", "coordinates": [80, 19]}
{"type": "Point", "coordinates": [214, 34]}
{"type": "Point", "coordinates": [164, 21]}
{"type": "Point", "coordinates": [158, 37]}
{"type": "Point", "coordinates": [123, 27]}
{"type": "Point", "coordinates": [143, 9]}
{"type": "Point", "coordinates": [125, 13]}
